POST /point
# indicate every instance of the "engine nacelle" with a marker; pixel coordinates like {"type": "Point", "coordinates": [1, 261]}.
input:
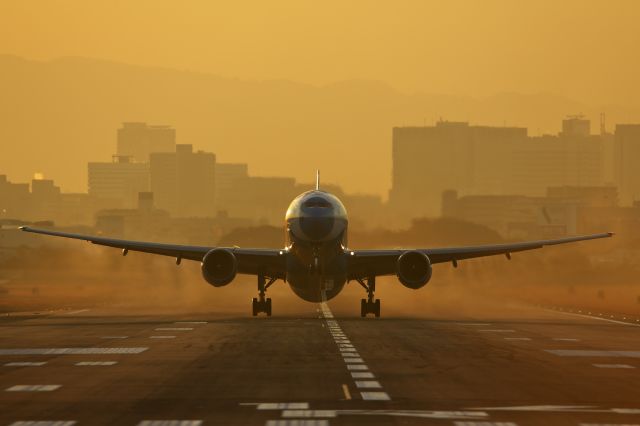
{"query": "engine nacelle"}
{"type": "Point", "coordinates": [219, 267]}
{"type": "Point", "coordinates": [413, 269]}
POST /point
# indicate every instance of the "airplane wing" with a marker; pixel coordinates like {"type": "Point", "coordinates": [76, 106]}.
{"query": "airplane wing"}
{"type": "Point", "coordinates": [252, 261]}
{"type": "Point", "coordinates": [368, 263]}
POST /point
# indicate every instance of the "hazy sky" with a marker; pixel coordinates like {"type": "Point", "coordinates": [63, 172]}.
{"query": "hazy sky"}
{"type": "Point", "coordinates": [587, 50]}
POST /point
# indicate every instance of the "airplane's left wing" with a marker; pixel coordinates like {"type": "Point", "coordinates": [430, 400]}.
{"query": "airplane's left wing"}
{"type": "Point", "coordinates": [250, 260]}
{"type": "Point", "coordinates": [369, 263]}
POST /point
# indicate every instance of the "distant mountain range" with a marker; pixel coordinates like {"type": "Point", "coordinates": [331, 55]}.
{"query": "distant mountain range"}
{"type": "Point", "coordinates": [57, 115]}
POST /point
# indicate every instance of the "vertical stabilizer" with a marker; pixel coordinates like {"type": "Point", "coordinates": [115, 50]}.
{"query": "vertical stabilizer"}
{"type": "Point", "coordinates": [317, 180]}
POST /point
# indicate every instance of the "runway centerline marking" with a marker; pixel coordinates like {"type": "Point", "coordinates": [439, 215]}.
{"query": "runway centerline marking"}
{"type": "Point", "coordinates": [280, 405]}
{"type": "Point", "coordinates": [33, 388]}
{"type": "Point", "coordinates": [353, 361]}
{"type": "Point", "coordinates": [309, 413]}
{"type": "Point", "coordinates": [162, 337]}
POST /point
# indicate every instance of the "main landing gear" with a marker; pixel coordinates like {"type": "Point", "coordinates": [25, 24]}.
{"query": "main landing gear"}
{"type": "Point", "coordinates": [369, 305]}
{"type": "Point", "coordinates": [262, 304]}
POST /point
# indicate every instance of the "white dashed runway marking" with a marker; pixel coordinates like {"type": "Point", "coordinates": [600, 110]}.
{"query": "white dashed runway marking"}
{"type": "Point", "coordinates": [98, 363]}
{"type": "Point", "coordinates": [25, 364]}
{"type": "Point", "coordinates": [309, 413]}
{"type": "Point", "coordinates": [170, 423]}
{"type": "Point", "coordinates": [33, 388]}
{"type": "Point", "coordinates": [375, 396]}
{"type": "Point", "coordinates": [302, 422]}
{"type": "Point", "coordinates": [282, 406]}
{"type": "Point", "coordinates": [594, 353]}
{"type": "Point", "coordinates": [173, 329]}
{"type": "Point", "coordinates": [613, 366]}
{"type": "Point", "coordinates": [44, 423]}
{"type": "Point", "coordinates": [355, 364]}
{"type": "Point", "coordinates": [71, 351]}
{"type": "Point", "coordinates": [368, 384]}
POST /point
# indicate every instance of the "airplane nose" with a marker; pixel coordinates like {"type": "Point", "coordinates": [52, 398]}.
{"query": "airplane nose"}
{"type": "Point", "coordinates": [316, 228]}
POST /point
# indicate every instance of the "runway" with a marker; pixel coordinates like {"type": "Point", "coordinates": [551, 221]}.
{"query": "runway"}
{"type": "Point", "coordinates": [318, 366]}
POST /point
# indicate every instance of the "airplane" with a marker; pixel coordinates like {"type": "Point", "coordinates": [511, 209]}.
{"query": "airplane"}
{"type": "Point", "coordinates": [316, 261]}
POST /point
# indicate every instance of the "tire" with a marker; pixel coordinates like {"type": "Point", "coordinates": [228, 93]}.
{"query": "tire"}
{"type": "Point", "coordinates": [268, 307]}
{"type": "Point", "coordinates": [363, 308]}
{"type": "Point", "coordinates": [377, 308]}
{"type": "Point", "coordinates": [254, 306]}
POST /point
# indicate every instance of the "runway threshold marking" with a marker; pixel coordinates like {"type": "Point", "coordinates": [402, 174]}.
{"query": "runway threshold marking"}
{"type": "Point", "coordinates": [353, 363]}
{"type": "Point", "coordinates": [33, 388]}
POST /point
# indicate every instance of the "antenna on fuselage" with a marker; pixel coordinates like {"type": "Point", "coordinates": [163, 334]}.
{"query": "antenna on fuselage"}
{"type": "Point", "coordinates": [317, 180]}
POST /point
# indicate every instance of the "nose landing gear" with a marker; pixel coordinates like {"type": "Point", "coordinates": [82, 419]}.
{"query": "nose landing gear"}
{"type": "Point", "coordinates": [369, 305]}
{"type": "Point", "coordinates": [262, 304]}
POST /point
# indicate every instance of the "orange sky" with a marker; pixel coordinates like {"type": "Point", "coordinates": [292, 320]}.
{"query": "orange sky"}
{"type": "Point", "coordinates": [587, 50]}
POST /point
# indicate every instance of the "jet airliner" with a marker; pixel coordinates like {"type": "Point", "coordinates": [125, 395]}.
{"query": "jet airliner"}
{"type": "Point", "coordinates": [316, 261]}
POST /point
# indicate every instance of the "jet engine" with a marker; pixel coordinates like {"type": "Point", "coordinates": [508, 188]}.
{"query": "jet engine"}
{"type": "Point", "coordinates": [219, 267]}
{"type": "Point", "coordinates": [413, 269]}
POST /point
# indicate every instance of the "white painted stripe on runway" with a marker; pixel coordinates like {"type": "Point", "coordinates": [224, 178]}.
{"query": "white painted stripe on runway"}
{"type": "Point", "coordinates": [517, 338]}
{"type": "Point", "coordinates": [174, 329]}
{"type": "Point", "coordinates": [594, 353]}
{"type": "Point", "coordinates": [25, 364]}
{"type": "Point", "coordinates": [170, 423]}
{"type": "Point", "coordinates": [33, 388]}
{"type": "Point", "coordinates": [362, 375]}
{"type": "Point", "coordinates": [468, 423]}
{"type": "Point", "coordinates": [44, 423]}
{"type": "Point", "coordinates": [162, 337]}
{"type": "Point", "coordinates": [353, 360]}
{"type": "Point", "coordinates": [368, 384]}
{"type": "Point", "coordinates": [347, 349]}
{"type": "Point", "coordinates": [350, 354]}
{"type": "Point", "coordinates": [613, 366]}
{"type": "Point", "coordinates": [296, 422]}
{"type": "Point", "coordinates": [114, 337]}
{"type": "Point", "coordinates": [357, 367]}
{"type": "Point", "coordinates": [309, 413]}
{"type": "Point", "coordinates": [97, 363]}
{"type": "Point", "coordinates": [375, 396]}
{"type": "Point", "coordinates": [565, 339]}
{"type": "Point", "coordinates": [77, 312]}
{"type": "Point", "coordinates": [282, 406]}
{"type": "Point", "coordinates": [72, 351]}
{"type": "Point", "coordinates": [593, 317]}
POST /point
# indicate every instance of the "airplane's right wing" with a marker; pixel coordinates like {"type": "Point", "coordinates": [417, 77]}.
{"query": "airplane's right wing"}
{"type": "Point", "coordinates": [253, 261]}
{"type": "Point", "coordinates": [370, 263]}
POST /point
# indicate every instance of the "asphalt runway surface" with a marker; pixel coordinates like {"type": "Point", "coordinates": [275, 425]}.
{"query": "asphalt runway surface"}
{"type": "Point", "coordinates": [121, 366]}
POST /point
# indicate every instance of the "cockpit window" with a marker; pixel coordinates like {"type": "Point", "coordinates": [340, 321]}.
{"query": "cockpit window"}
{"type": "Point", "coordinates": [317, 202]}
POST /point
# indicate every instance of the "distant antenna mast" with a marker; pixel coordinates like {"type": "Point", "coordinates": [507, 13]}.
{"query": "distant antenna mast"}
{"type": "Point", "coordinates": [317, 180]}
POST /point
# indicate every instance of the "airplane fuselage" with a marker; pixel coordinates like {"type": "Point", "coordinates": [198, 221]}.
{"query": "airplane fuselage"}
{"type": "Point", "coordinates": [316, 238]}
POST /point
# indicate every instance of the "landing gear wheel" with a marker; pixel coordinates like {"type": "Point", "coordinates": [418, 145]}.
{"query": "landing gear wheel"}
{"type": "Point", "coordinates": [254, 305]}
{"type": "Point", "coordinates": [268, 307]}
{"type": "Point", "coordinates": [369, 305]}
{"type": "Point", "coordinates": [262, 304]}
{"type": "Point", "coordinates": [363, 308]}
{"type": "Point", "coordinates": [376, 308]}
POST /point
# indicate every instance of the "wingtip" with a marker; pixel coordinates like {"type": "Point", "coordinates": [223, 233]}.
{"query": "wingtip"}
{"type": "Point", "coordinates": [611, 234]}
{"type": "Point", "coordinates": [23, 228]}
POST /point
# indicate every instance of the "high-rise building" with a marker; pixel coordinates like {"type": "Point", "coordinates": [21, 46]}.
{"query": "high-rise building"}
{"type": "Point", "coordinates": [120, 180]}
{"type": "Point", "coordinates": [626, 155]}
{"type": "Point", "coordinates": [227, 176]}
{"type": "Point", "coordinates": [138, 140]}
{"type": "Point", "coordinates": [183, 182]}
